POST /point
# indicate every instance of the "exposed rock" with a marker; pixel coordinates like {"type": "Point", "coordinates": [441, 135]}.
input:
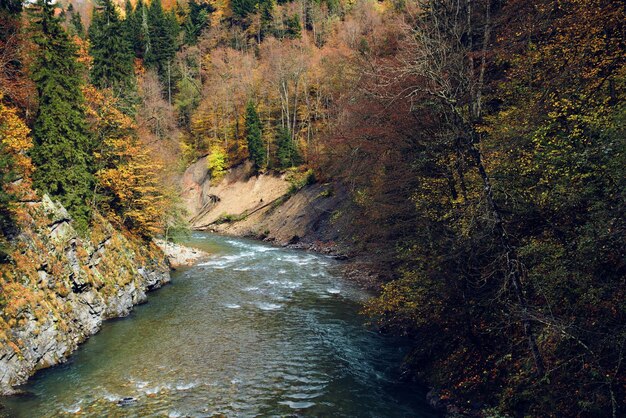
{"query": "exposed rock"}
{"type": "Point", "coordinates": [180, 255]}
{"type": "Point", "coordinates": [262, 207]}
{"type": "Point", "coordinates": [69, 286]}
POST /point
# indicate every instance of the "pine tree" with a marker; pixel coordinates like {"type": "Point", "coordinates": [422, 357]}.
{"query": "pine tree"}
{"type": "Point", "coordinates": [253, 136]}
{"type": "Point", "coordinates": [287, 153]}
{"type": "Point", "coordinates": [111, 51]}
{"type": "Point", "coordinates": [62, 148]}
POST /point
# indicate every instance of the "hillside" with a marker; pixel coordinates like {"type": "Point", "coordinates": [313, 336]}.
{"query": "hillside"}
{"type": "Point", "coordinates": [472, 151]}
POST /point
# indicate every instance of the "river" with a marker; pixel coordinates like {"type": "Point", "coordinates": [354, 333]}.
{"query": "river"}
{"type": "Point", "coordinates": [253, 331]}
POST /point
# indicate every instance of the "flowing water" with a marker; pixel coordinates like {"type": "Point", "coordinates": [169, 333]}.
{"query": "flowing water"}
{"type": "Point", "coordinates": [252, 331]}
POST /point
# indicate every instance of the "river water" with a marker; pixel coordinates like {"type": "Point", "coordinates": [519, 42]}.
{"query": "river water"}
{"type": "Point", "coordinates": [254, 330]}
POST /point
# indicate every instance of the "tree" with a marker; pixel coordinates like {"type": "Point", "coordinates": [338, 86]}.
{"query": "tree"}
{"type": "Point", "coordinates": [256, 150]}
{"type": "Point", "coordinates": [128, 187]}
{"type": "Point", "coordinates": [196, 20]}
{"type": "Point", "coordinates": [111, 51]}
{"type": "Point", "coordinates": [62, 151]}
{"type": "Point", "coordinates": [15, 171]}
{"type": "Point", "coordinates": [136, 27]}
{"type": "Point", "coordinates": [287, 153]}
{"type": "Point", "coordinates": [77, 24]}
{"type": "Point", "coordinates": [163, 31]}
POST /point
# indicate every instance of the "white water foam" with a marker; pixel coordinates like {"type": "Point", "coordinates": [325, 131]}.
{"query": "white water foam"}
{"type": "Point", "coordinates": [298, 405]}
{"type": "Point", "coordinates": [268, 306]}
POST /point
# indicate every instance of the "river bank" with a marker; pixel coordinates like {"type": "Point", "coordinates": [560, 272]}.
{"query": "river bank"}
{"type": "Point", "coordinates": [255, 329]}
{"type": "Point", "coordinates": [273, 208]}
{"type": "Point", "coordinates": [69, 286]}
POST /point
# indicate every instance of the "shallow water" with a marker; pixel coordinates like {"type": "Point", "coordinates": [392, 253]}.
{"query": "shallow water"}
{"type": "Point", "coordinates": [253, 331]}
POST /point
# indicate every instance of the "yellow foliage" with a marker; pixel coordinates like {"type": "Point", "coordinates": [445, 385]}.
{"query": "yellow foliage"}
{"type": "Point", "coordinates": [129, 190]}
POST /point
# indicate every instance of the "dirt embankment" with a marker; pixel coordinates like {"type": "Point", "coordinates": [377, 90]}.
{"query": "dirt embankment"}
{"type": "Point", "coordinates": [266, 206]}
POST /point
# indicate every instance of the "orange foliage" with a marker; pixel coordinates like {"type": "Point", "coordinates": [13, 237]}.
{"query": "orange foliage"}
{"type": "Point", "coordinates": [129, 192]}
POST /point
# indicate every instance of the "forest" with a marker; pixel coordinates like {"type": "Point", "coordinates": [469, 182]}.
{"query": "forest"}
{"type": "Point", "coordinates": [482, 142]}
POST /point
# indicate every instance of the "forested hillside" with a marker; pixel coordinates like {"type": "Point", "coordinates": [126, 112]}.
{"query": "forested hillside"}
{"type": "Point", "coordinates": [482, 144]}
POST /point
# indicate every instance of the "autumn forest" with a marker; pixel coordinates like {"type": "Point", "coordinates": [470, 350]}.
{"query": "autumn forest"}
{"type": "Point", "coordinates": [480, 144]}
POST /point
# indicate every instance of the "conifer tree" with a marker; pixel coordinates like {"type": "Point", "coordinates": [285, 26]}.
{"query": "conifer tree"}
{"type": "Point", "coordinates": [287, 153]}
{"type": "Point", "coordinates": [62, 148]}
{"type": "Point", "coordinates": [133, 27]}
{"type": "Point", "coordinates": [6, 219]}
{"type": "Point", "coordinates": [111, 51]}
{"type": "Point", "coordinates": [196, 20]}
{"type": "Point", "coordinates": [253, 136]}
{"type": "Point", "coordinates": [76, 24]}
{"type": "Point", "coordinates": [162, 30]}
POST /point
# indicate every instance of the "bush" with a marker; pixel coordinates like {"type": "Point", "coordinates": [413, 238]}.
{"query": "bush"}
{"type": "Point", "coordinates": [216, 163]}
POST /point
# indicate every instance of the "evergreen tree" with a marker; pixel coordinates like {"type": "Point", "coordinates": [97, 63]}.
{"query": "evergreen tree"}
{"type": "Point", "coordinates": [8, 11]}
{"type": "Point", "coordinates": [242, 8]}
{"type": "Point", "coordinates": [287, 153]}
{"type": "Point", "coordinates": [265, 9]}
{"type": "Point", "coordinates": [136, 33]}
{"type": "Point", "coordinates": [111, 51]}
{"type": "Point", "coordinates": [196, 20]}
{"type": "Point", "coordinates": [62, 148]}
{"type": "Point", "coordinates": [163, 30]}
{"type": "Point", "coordinates": [76, 23]}
{"type": "Point", "coordinates": [293, 28]}
{"type": "Point", "coordinates": [7, 175]}
{"type": "Point", "coordinates": [253, 136]}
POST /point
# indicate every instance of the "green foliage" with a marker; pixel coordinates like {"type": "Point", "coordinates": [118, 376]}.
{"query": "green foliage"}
{"type": "Point", "coordinates": [300, 179]}
{"type": "Point", "coordinates": [12, 6]}
{"type": "Point", "coordinates": [7, 175]}
{"type": "Point", "coordinates": [256, 150]}
{"type": "Point", "coordinates": [111, 50]}
{"type": "Point", "coordinates": [242, 8]}
{"type": "Point", "coordinates": [227, 218]}
{"type": "Point", "coordinates": [76, 24]}
{"type": "Point", "coordinates": [136, 27]}
{"type": "Point", "coordinates": [293, 28]}
{"type": "Point", "coordinates": [62, 151]}
{"type": "Point", "coordinates": [196, 20]}
{"type": "Point", "coordinates": [217, 163]}
{"type": "Point", "coordinates": [287, 153]}
{"type": "Point", "coordinates": [163, 33]}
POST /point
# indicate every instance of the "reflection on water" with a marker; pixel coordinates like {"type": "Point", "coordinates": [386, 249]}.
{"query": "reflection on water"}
{"type": "Point", "coordinates": [253, 331]}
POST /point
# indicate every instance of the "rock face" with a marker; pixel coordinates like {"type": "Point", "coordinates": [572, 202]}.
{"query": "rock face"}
{"type": "Point", "coordinates": [265, 206]}
{"type": "Point", "coordinates": [61, 287]}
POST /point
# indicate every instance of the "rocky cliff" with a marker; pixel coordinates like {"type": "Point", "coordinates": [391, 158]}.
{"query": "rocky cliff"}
{"type": "Point", "coordinates": [279, 207]}
{"type": "Point", "coordinates": [60, 287]}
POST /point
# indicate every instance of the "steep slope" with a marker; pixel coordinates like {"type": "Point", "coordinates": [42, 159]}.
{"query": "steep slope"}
{"type": "Point", "coordinates": [265, 206]}
{"type": "Point", "coordinates": [60, 287]}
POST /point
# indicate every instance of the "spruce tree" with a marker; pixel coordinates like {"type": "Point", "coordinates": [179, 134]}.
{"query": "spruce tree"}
{"type": "Point", "coordinates": [196, 20]}
{"type": "Point", "coordinates": [287, 153]}
{"type": "Point", "coordinates": [111, 51]}
{"type": "Point", "coordinates": [76, 24]}
{"type": "Point", "coordinates": [133, 27]}
{"type": "Point", "coordinates": [253, 137]}
{"type": "Point", "coordinates": [163, 30]}
{"type": "Point", "coordinates": [61, 152]}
